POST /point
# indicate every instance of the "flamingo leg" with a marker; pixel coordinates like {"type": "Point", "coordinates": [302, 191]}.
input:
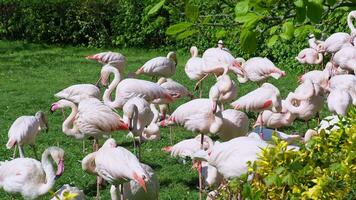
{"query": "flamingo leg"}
{"type": "Point", "coordinates": [14, 155]}
{"type": "Point", "coordinates": [22, 155]}
{"type": "Point", "coordinates": [83, 146]}
{"type": "Point", "coordinates": [222, 106]}
{"type": "Point", "coordinates": [97, 82]}
{"type": "Point", "coordinates": [199, 169]}
{"type": "Point", "coordinates": [261, 126]}
{"type": "Point", "coordinates": [34, 150]}
{"type": "Point", "coordinates": [201, 90]}
{"type": "Point", "coordinates": [196, 85]}
{"type": "Point", "coordinates": [318, 117]}
{"type": "Point", "coordinates": [96, 145]}
{"type": "Point", "coordinates": [98, 183]}
{"type": "Point", "coordinates": [170, 135]}
{"type": "Point", "coordinates": [122, 191]}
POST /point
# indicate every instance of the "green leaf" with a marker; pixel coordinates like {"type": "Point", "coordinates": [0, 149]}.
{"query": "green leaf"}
{"type": "Point", "coordinates": [303, 31]}
{"type": "Point", "coordinates": [299, 3]}
{"type": "Point", "coordinates": [191, 11]}
{"type": "Point", "coordinates": [241, 7]}
{"type": "Point", "coordinates": [156, 8]}
{"type": "Point", "coordinates": [272, 40]}
{"type": "Point", "coordinates": [186, 34]}
{"type": "Point", "coordinates": [287, 31]}
{"type": "Point", "coordinates": [177, 28]}
{"type": "Point", "coordinates": [220, 34]}
{"type": "Point", "coordinates": [301, 14]}
{"type": "Point", "coordinates": [206, 20]}
{"type": "Point", "coordinates": [248, 40]}
{"type": "Point", "coordinates": [330, 2]}
{"type": "Point", "coordinates": [248, 20]}
{"type": "Point", "coordinates": [273, 30]}
{"type": "Point", "coordinates": [314, 11]}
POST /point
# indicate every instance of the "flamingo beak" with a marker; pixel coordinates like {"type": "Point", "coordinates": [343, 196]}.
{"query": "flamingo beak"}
{"type": "Point", "coordinates": [53, 108]}
{"type": "Point", "coordinates": [167, 149]}
{"type": "Point", "coordinates": [123, 125]}
{"type": "Point", "coordinates": [140, 181]}
{"type": "Point", "coordinates": [60, 168]}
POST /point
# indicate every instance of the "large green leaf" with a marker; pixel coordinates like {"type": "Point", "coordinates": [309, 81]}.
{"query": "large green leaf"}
{"type": "Point", "coordinates": [287, 30]}
{"type": "Point", "coordinates": [191, 11]}
{"type": "Point", "coordinates": [185, 34]}
{"type": "Point", "coordinates": [302, 31]}
{"type": "Point", "coordinates": [177, 28]}
{"type": "Point", "coordinates": [156, 8]}
{"type": "Point", "coordinates": [301, 13]}
{"type": "Point", "coordinates": [242, 7]}
{"type": "Point", "coordinates": [248, 40]}
{"type": "Point", "coordinates": [249, 20]}
{"type": "Point", "coordinates": [271, 41]}
{"type": "Point", "coordinates": [314, 11]}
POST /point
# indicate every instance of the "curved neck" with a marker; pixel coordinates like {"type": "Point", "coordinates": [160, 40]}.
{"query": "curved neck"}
{"type": "Point", "coordinates": [217, 123]}
{"type": "Point", "coordinates": [68, 127]}
{"type": "Point", "coordinates": [107, 94]}
{"type": "Point", "coordinates": [242, 79]}
{"type": "Point", "coordinates": [320, 58]}
{"type": "Point", "coordinates": [50, 174]}
{"type": "Point", "coordinates": [88, 163]}
{"type": "Point", "coordinates": [349, 21]}
{"type": "Point", "coordinates": [134, 119]}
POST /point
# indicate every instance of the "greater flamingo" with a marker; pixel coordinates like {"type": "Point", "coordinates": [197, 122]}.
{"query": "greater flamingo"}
{"type": "Point", "coordinates": [258, 69]}
{"type": "Point", "coordinates": [335, 42]}
{"type": "Point", "coordinates": [235, 124]}
{"type": "Point", "coordinates": [160, 66]}
{"type": "Point", "coordinates": [90, 119]}
{"type": "Point", "coordinates": [346, 83]}
{"type": "Point", "coordinates": [345, 58]}
{"type": "Point", "coordinates": [109, 58]}
{"type": "Point", "coordinates": [310, 55]}
{"type": "Point", "coordinates": [29, 177]}
{"type": "Point", "coordinates": [319, 77]}
{"type": "Point", "coordinates": [223, 91]}
{"type": "Point", "coordinates": [24, 131]}
{"type": "Point", "coordinates": [131, 87]}
{"type": "Point", "coordinates": [339, 102]}
{"type": "Point", "coordinates": [138, 115]}
{"type": "Point", "coordinates": [77, 93]}
{"type": "Point", "coordinates": [194, 68]}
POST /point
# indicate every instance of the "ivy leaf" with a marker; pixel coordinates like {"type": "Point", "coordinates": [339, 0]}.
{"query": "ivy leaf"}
{"type": "Point", "coordinates": [177, 28]}
{"type": "Point", "coordinates": [186, 34]}
{"type": "Point", "coordinates": [272, 40]}
{"type": "Point", "coordinates": [191, 11]}
{"type": "Point", "coordinates": [249, 20]}
{"type": "Point", "coordinates": [314, 11]}
{"type": "Point", "coordinates": [156, 8]}
{"type": "Point", "coordinates": [242, 7]}
{"type": "Point", "coordinates": [248, 40]}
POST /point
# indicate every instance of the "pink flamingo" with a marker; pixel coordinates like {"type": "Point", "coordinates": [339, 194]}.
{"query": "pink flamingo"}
{"type": "Point", "coordinates": [109, 58]}
{"type": "Point", "coordinates": [345, 58]}
{"type": "Point", "coordinates": [258, 69]}
{"type": "Point", "coordinates": [235, 124]}
{"type": "Point", "coordinates": [319, 77]}
{"type": "Point", "coordinates": [194, 68]}
{"type": "Point", "coordinates": [29, 177]}
{"type": "Point", "coordinates": [223, 91]}
{"type": "Point", "coordinates": [339, 102]}
{"type": "Point", "coordinates": [90, 119]}
{"type": "Point", "coordinates": [24, 131]}
{"type": "Point", "coordinates": [77, 93]}
{"type": "Point", "coordinates": [310, 55]}
{"type": "Point", "coordinates": [160, 66]}
{"type": "Point", "coordinates": [346, 83]}
{"type": "Point", "coordinates": [129, 88]}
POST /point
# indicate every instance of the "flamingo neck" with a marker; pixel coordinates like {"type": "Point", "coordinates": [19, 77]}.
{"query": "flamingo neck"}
{"type": "Point", "coordinates": [349, 22]}
{"type": "Point", "coordinates": [320, 58]}
{"type": "Point", "coordinates": [217, 123]}
{"type": "Point", "coordinates": [50, 174]}
{"type": "Point", "coordinates": [107, 94]}
{"type": "Point", "coordinates": [88, 163]}
{"type": "Point", "coordinates": [68, 126]}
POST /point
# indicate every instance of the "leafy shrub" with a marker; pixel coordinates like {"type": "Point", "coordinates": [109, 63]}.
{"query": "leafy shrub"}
{"type": "Point", "coordinates": [324, 168]}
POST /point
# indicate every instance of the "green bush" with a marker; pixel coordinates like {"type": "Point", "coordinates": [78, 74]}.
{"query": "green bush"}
{"type": "Point", "coordinates": [324, 168]}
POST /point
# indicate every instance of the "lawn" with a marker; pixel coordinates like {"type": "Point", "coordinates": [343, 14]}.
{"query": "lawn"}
{"type": "Point", "coordinates": [29, 76]}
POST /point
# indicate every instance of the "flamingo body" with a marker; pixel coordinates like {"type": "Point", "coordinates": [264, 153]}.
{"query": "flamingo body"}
{"type": "Point", "coordinates": [77, 93]}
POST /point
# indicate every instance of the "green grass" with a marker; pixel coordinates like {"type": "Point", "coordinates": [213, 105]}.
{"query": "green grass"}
{"type": "Point", "coordinates": [29, 76]}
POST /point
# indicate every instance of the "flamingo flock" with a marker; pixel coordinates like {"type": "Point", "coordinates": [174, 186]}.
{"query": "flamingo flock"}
{"type": "Point", "coordinates": [94, 116]}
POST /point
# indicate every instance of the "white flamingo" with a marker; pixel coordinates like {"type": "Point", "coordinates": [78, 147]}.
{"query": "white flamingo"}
{"type": "Point", "coordinates": [79, 92]}
{"type": "Point", "coordinates": [339, 102]}
{"type": "Point", "coordinates": [29, 177]}
{"type": "Point", "coordinates": [223, 91]}
{"type": "Point", "coordinates": [194, 67]}
{"type": "Point", "coordinates": [24, 131]}
{"type": "Point", "coordinates": [235, 124]}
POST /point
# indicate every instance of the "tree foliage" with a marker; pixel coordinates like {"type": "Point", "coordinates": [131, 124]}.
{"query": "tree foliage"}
{"type": "Point", "coordinates": [324, 168]}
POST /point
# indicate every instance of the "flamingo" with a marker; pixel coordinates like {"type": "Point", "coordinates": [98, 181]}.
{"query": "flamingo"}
{"type": "Point", "coordinates": [310, 55]}
{"type": "Point", "coordinates": [218, 62]}
{"type": "Point", "coordinates": [198, 115]}
{"type": "Point", "coordinates": [339, 102]}
{"type": "Point", "coordinates": [306, 101]}
{"type": "Point", "coordinates": [131, 87]}
{"type": "Point", "coordinates": [346, 83]}
{"type": "Point", "coordinates": [258, 69]}
{"type": "Point", "coordinates": [151, 132]}
{"type": "Point", "coordinates": [138, 115]}
{"type": "Point", "coordinates": [194, 68]}
{"type": "Point", "coordinates": [268, 133]}
{"type": "Point", "coordinates": [109, 58]}
{"type": "Point", "coordinates": [90, 119]}
{"type": "Point", "coordinates": [186, 148]}
{"type": "Point", "coordinates": [24, 131]}
{"type": "Point", "coordinates": [118, 166]}
{"type": "Point", "coordinates": [275, 119]}
{"type": "Point", "coordinates": [335, 42]}
{"type": "Point", "coordinates": [319, 77]}
{"type": "Point", "coordinates": [160, 66]}
{"type": "Point", "coordinates": [29, 177]}
{"type": "Point", "coordinates": [132, 189]}
{"type": "Point", "coordinates": [77, 93]}
{"type": "Point", "coordinates": [67, 190]}
{"type": "Point", "coordinates": [224, 90]}
{"type": "Point", "coordinates": [345, 58]}
{"type": "Point", "coordinates": [235, 124]}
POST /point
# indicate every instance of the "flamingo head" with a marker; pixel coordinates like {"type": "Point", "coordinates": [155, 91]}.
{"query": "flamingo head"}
{"type": "Point", "coordinates": [57, 155]}
{"type": "Point", "coordinates": [140, 178]}
{"type": "Point", "coordinates": [104, 76]}
{"type": "Point", "coordinates": [173, 56]}
{"type": "Point", "coordinates": [43, 120]}
{"type": "Point", "coordinates": [214, 94]}
{"type": "Point", "coordinates": [60, 104]}
{"type": "Point", "coordinates": [111, 143]}
{"type": "Point", "coordinates": [321, 48]}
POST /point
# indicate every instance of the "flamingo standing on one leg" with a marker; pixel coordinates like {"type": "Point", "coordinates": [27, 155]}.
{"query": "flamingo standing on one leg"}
{"type": "Point", "coordinates": [138, 115]}
{"type": "Point", "coordinates": [129, 88]}
{"type": "Point", "coordinates": [194, 68]}
{"type": "Point", "coordinates": [160, 66]}
{"type": "Point", "coordinates": [109, 58]}
{"type": "Point", "coordinates": [29, 177]}
{"type": "Point", "coordinates": [224, 90]}
{"type": "Point", "coordinates": [24, 131]}
{"type": "Point", "coordinates": [267, 97]}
